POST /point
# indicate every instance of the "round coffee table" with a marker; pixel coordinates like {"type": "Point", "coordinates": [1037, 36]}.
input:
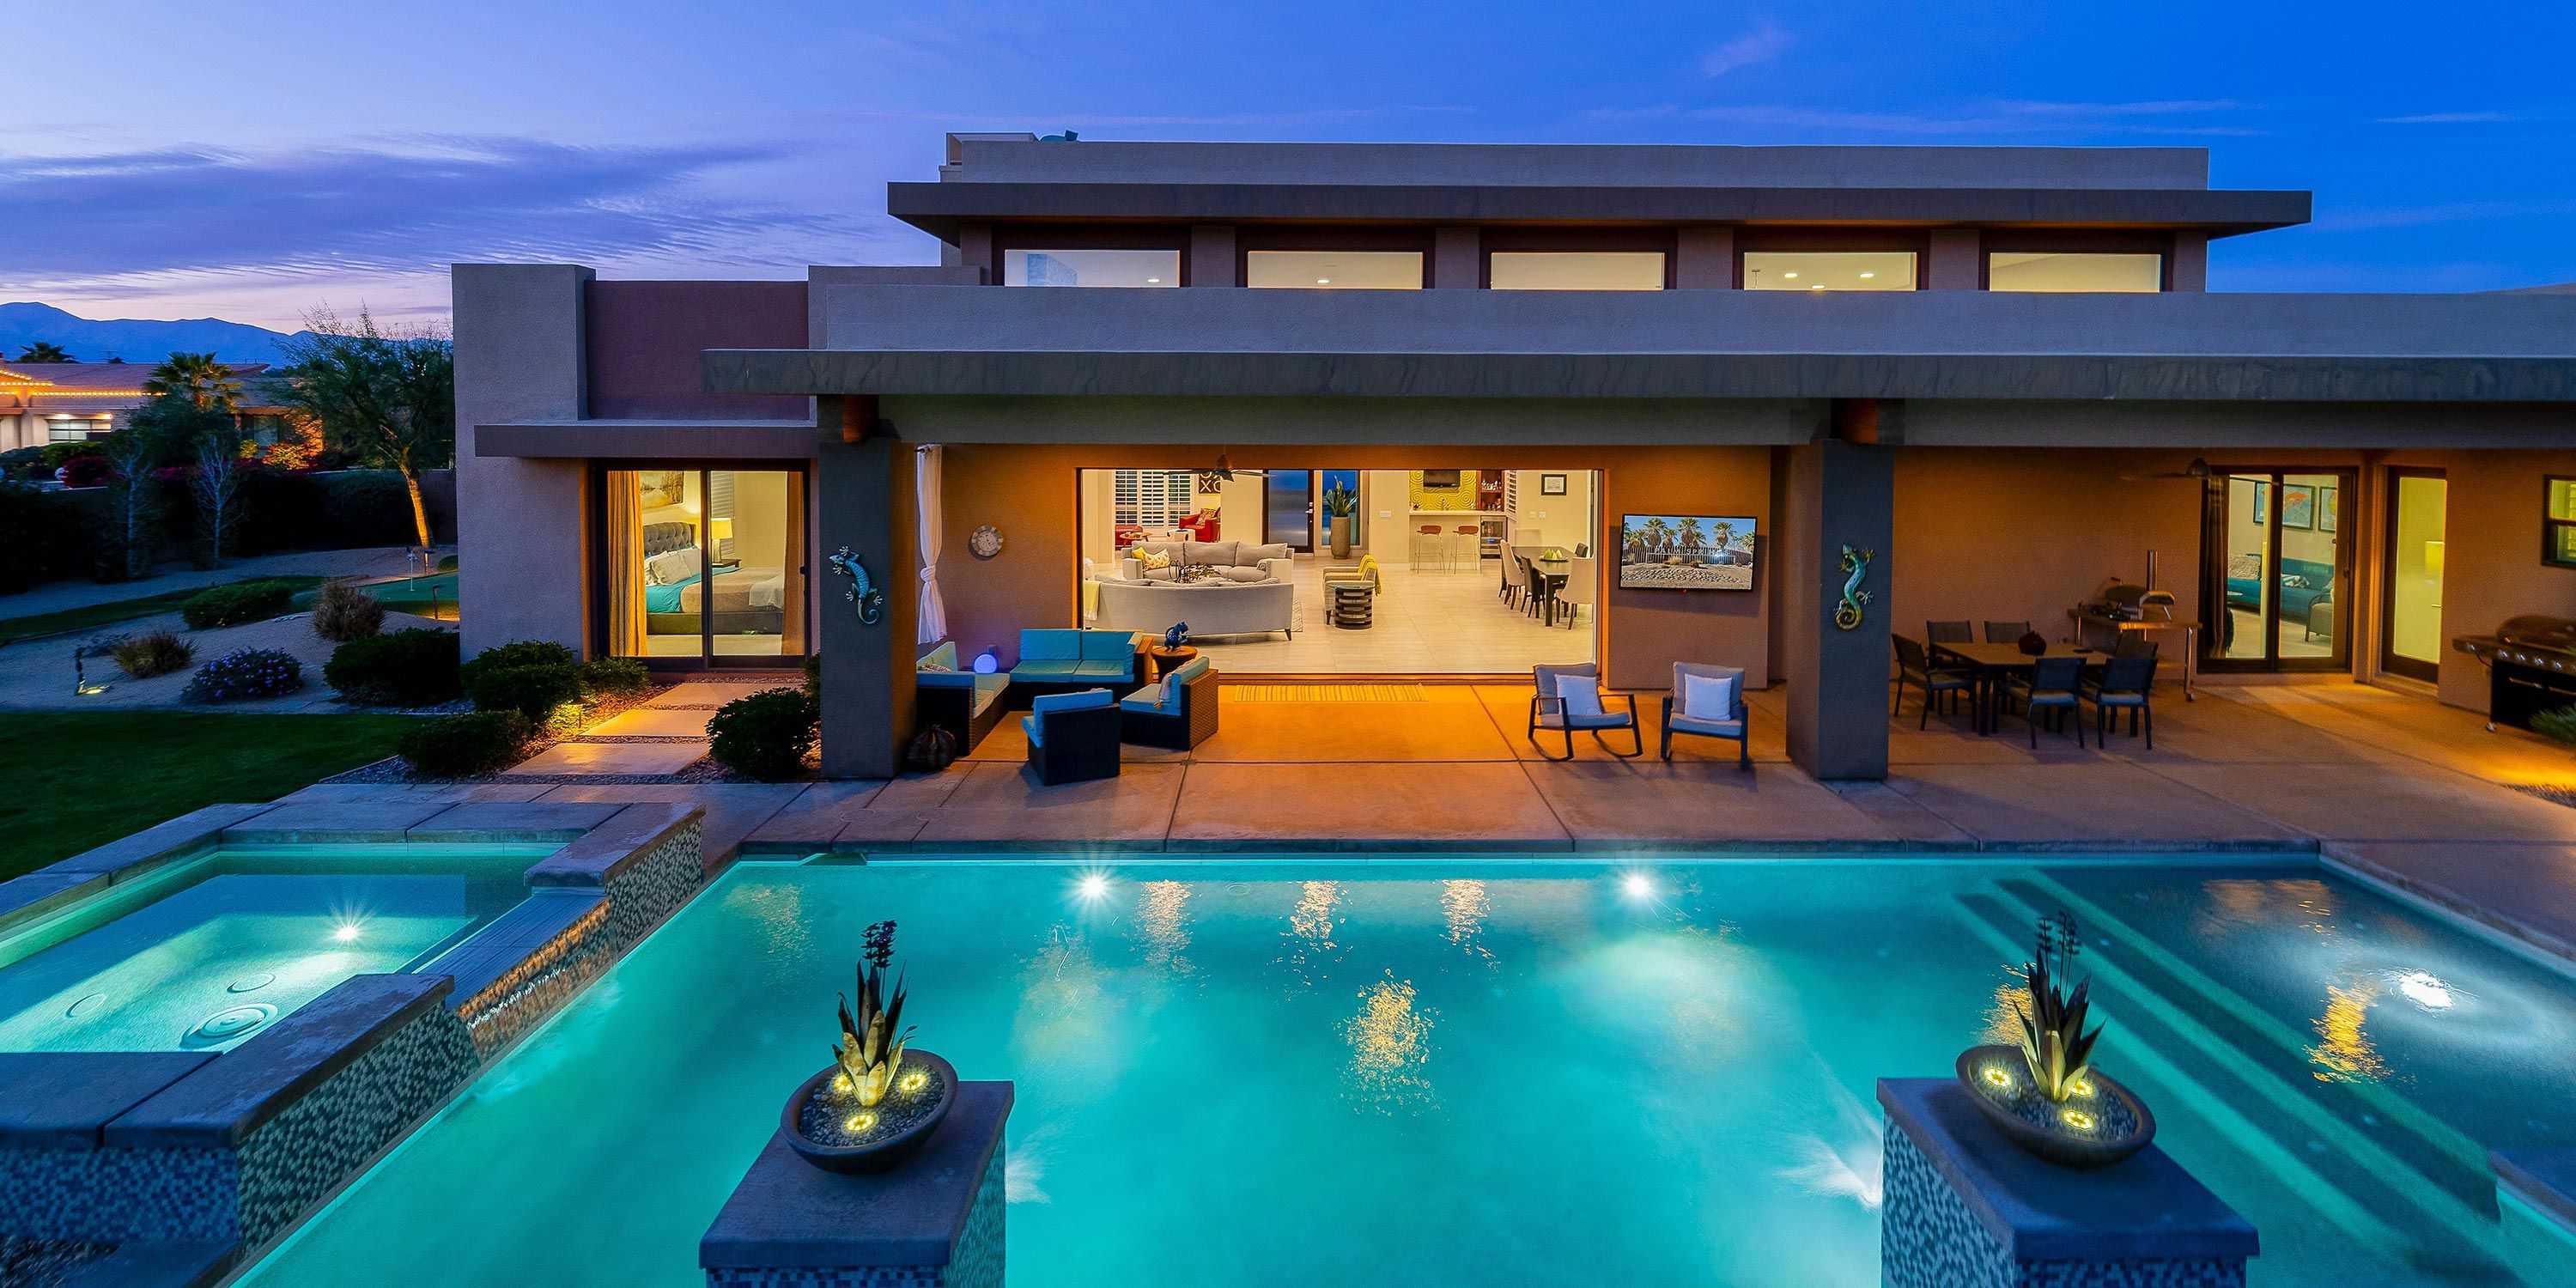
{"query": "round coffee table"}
{"type": "Point", "coordinates": [1167, 660]}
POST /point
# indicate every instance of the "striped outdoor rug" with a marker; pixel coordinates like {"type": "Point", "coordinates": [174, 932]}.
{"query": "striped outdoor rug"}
{"type": "Point", "coordinates": [1326, 693]}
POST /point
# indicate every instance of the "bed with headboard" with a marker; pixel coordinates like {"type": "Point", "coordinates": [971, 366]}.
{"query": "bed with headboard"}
{"type": "Point", "coordinates": [740, 600]}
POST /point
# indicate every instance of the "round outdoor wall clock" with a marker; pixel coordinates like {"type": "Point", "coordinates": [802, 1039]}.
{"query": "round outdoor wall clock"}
{"type": "Point", "coordinates": [986, 542]}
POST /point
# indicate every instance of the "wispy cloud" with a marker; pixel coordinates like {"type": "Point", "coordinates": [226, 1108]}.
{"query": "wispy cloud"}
{"type": "Point", "coordinates": [1992, 119]}
{"type": "Point", "coordinates": [1767, 40]}
{"type": "Point", "coordinates": [2450, 118]}
{"type": "Point", "coordinates": [2149, 107]}
{"type": "Point", "coordinates": [383, 206]}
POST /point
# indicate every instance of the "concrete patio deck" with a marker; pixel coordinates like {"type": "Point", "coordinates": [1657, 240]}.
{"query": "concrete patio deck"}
{"type": "Point", "coordinates": [2409, 795]}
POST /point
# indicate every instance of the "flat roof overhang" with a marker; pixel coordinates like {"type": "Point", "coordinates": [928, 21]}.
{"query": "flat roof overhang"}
{"type": "Point", "coordinates": [938, 208]}
{"type": "Point", "coordinates": [742, 440]}
{"type": "Point", "coordinates": [982, 341]}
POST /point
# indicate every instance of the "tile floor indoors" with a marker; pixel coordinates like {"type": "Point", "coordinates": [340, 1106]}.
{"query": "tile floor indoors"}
{"type": "Point", "coordinates": [1430, 622]}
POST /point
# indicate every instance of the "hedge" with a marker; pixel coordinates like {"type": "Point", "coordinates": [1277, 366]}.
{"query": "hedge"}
{"type": "Point", "coordinates": [465, 746]}
{"type": "Point", "coordinates": [413, 668]}
{"type": "Point", "coordinates": [232, 605]}
{"type": "Point", "coordinates": [766, 735]}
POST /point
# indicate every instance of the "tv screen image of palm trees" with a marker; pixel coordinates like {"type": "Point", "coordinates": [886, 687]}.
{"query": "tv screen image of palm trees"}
{"type": "Point", "coordinates": [1686, 552]}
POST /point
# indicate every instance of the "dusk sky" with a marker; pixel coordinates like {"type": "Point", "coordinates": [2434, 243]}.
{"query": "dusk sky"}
{"type": "Point", "coordinates": [253, 161]}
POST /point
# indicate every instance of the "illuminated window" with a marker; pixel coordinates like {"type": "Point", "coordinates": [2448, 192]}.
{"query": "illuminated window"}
{"type": "Point", "coordinates": [1829, 270]}
{"type": "Point", "coordinates": [1334, 270]}
{"type": "Point", "coordinates": [1091, 268]}
{"type": "Point", "coordinates": [2558, 526]}
{"type": "Point", "coordinates": [2051, 271]}
{"type": "Point", "coordinates": [1618, 270]}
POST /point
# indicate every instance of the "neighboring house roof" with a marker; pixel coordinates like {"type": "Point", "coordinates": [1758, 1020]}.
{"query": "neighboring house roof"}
{"type": "Point", "coordinates": [89, 388]}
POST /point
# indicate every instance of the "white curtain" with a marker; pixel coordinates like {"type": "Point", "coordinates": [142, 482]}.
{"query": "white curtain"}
{"type": "Point", "coordinates": [934, 611]}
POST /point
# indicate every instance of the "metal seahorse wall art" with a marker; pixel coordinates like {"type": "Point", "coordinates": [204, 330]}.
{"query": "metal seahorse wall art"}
{"type": "Point", "coordinates": [863, 588]}
{"type": "Point", "coordinates": [1855, 563]}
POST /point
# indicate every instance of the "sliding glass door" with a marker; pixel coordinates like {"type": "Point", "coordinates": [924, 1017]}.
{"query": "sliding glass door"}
{"type": "Point", "coordinates": [702, 567]}
{"type": "Point", "coordinates": [2278, 571]}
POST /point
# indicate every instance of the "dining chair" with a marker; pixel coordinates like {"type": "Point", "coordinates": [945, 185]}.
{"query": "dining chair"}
{"type": "Point", "coordinates": [1950, 632]}
{"type": "Point", "coordinates": [2006, 632]}
{"type": "Point", "coordinates": [1542, 593]}
{"type": "Point", "coordinates": [2124, 684]}
{"type": "Point", "coordinates": [2133, 644]}
{"type": "Point", "coordinates": [1914, 666]}
{"type": "Point", "coordinates": [2050, 687]}
{"type": "Point", "coordinates": [1579, 589]}
{"type": "Point", "coordinates": [1515, 580]}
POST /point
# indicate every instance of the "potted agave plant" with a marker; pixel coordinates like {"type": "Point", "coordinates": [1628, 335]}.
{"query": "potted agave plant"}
{"type": "Point", "coordinates": [880, 1098]}
{"type": "Point", "coordinates": [2046, 1096]}
{"type": "Point", "coordinates": [1341, 506]}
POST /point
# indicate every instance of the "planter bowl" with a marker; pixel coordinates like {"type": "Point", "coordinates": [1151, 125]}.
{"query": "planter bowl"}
{"type": "Point", "coordinates": [881, 1153]}
{"type": "Point", "coordinates": [2027, 1120]}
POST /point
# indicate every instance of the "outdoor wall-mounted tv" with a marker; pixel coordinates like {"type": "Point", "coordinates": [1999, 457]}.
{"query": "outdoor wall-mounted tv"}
{"type": "Point", "coordinates": [1685, 552]}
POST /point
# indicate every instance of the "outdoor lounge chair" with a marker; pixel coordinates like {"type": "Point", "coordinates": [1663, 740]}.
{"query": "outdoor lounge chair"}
{"type": "Point", "coordinates": [1914, 666]}
{"type": "Point", "coordinates": [1177, 712]}
{"type": "Point", "coordinates": [1550, 710]}
{"type": "Point", "coordinates": [1708, 702]}
{"type": "Point", "coordinates": [964, 703]}
{"type": "Point", "coordinates": [1073, 737]}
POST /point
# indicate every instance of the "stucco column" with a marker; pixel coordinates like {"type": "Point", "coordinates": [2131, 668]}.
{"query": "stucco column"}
{"type": "Point", "coordinates": [1954, 262]}
{"type": "Point", "coordinates": [1704, 259]}
{"type": "Point", "coordinates": [1840, 495]}
{"type": "Point", "coordinates": [2190, 265]}
{"type": "Point", "coordinates": [1457, 258]}
{"type": "Point", "coordinates": [863, 494]}
{"type": "Point", "coordinates": [521, 354]}
{"type": "Point", "coordinates": [1212, 258]}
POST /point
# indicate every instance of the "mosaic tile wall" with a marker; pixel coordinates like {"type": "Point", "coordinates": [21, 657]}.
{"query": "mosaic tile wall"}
{"type": "Point", "coordinates": [1927, 1238]}
{"type": "Point", "coordinates": [653, 887]}
{"type": "Point", "coordinates": [531, 991]}
{"type": "Point", "coordinates": [976, 1261]}
{"type": "Point", "coordinates": [120, 1194]}
{"type": "Point", "coordinates": [44, 1263]}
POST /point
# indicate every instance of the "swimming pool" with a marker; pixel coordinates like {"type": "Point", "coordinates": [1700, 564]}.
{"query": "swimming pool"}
{"type": "Point", "coordinates": [207, 951]}
{"type": "Point", "coordinates": [1486, 1072]}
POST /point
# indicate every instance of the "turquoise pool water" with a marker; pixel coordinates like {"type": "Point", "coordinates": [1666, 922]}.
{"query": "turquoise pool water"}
{"type": "Point", "coordinates": [212, 950]}
{"type": "Point", "coordinates": [1479, 1073]}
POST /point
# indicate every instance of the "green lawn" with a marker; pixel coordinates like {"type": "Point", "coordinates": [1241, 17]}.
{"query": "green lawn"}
{"type": "Point", "coordinates": [79, 779]}
{"type": "Point", "coordinates": [123, 610]}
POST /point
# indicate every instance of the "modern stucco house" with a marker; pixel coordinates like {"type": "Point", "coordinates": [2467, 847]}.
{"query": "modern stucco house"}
{"type": "Point", "coordinates": [1993, 371]}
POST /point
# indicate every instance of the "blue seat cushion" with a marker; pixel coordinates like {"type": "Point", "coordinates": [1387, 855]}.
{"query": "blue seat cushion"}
{"type": "Point", "coordinates": [1090, 669]}
{"type": "Point", "coordinates": [1050, 646]}
{"type": "Point", "coordinates": [1711, 728]}
{"type": "Point", "coordinates": [1046, 670]}
{"type": "Point", "coordinates": [1107, 646]}
{"type": "Point", "coordinates": [1033, 727]}
{"type": "Point", "coordinates": [1082, 700]}
{"type": "Point", "coordinates": [1606, 720]}
{"type": "Point", "coordinates": [1144, 701]}
{"type": "Point", "coordinates": [988, 689]}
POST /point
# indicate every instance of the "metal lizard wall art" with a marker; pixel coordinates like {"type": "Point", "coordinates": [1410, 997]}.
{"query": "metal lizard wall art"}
{"type": "Point", "coordinates": [1856, 563]}
{"type": "Point", "coordinates": [863, 588]}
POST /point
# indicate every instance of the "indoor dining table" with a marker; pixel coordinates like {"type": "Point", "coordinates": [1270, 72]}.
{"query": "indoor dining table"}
{"type": "Point", "coordinates": [1993, 662]}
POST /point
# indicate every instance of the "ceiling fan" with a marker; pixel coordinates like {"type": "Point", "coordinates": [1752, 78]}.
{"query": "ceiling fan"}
{"type": "Point", "coordinates": [1226, 472]}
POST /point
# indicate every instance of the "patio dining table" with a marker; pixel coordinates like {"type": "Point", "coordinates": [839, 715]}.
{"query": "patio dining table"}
{"type": "Point", "coordinates": [1992, 662]}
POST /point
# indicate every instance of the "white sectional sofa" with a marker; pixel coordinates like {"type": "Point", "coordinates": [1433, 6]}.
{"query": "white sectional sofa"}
{"type": "Point", "coordinates": [1250, 592]}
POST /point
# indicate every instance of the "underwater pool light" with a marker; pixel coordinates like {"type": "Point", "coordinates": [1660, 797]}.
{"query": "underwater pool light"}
{"type": "Point", "coordinates": [2424, 989]}
{"type": "Point", "coordinates": [1092, 886]}
{"type": "Point", "coordinates": [1638, 886]}
{"type": "Point", "coordinates": [346, 932]}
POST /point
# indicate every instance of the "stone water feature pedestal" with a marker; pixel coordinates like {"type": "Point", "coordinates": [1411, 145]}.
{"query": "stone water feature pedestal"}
{"type": "Point", "coordinates": [1966, 1208]}
{"type": "Point", "coordinates": [934, 1221]}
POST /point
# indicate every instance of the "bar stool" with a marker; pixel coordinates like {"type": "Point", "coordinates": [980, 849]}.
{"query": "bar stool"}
{"type": "Point", "coordinates": [1468, 535]}
{"type": "Point", "coordinates": [1426, 546]}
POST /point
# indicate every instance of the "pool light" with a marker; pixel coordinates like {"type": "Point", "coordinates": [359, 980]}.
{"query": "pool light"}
{"type": "Point", "coordinates": [345, 933]}
{"type": "Point", "coordinates": [1637, 885]}
{"type": "Point", "coordinates": [1094, 886]}
{"type": "Point", "coordinates": [2425, 990]}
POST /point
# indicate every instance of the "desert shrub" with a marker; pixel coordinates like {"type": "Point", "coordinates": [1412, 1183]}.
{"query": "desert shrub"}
{"type": "Point", "coordinates": [413, 668]}
{"type": "Point", "coordinates": [522, 653]}
{"type": "Point", "coordinates": [156, 653]}
{"type": "Point", "coordinates": [532, 691]}
{"type": "Point", "coordinates": [24, 463]}
{"type": "Point", "coordinates": [343, 612]}
{"type": "Point", "coordinates": [245, 673]}
{"type": "Point", "coordinates": [464, 746]}
{"type": "Point", "coordinates": [766, 735]}
{"type": "Point", "coordinates": [614, 677]}
{"type": "Point", "coordinates": [242, 601]}
{"type": "Point", "coordinates": [87, 471]}
{"type": "Point", "coordinates": [48, 535]}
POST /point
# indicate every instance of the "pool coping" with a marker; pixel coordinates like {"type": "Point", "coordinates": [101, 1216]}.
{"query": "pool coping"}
{"type": "Point", "coordinates": [184, 1161]}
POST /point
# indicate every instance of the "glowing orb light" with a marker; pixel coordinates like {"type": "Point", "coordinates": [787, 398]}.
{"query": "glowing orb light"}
{"type": "Point", "coordinates": [859, 1122]}
{"type": "Point", "coordinates": [1998, 1076]}
{"type": "Point", "coordinates": [914, 1081]}
{"type": "Point", "coordinates": [2076, 1118]}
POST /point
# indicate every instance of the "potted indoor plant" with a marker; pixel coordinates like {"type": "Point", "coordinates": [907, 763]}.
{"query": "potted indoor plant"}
{"type": "Point", "coordinates": [1341, 507]}
{"type": "Point", "coordinates": [2046, 1096]}
{"type": "Point", "coordinates": [879, 1099]}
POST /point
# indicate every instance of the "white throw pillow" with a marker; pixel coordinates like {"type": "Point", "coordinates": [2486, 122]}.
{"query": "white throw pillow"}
{"type": "Point", "coordinates": [672, 566]}
{"type": "Point", "coordinates": [1708, 697]}
{"type": "Point", "coordinates": [1580, 693]}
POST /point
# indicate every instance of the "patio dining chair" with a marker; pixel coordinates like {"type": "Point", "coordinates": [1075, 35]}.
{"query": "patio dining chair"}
{"type": "Point", "coordinates": [2133, 644]}
{"type": "Point", "coordinates": [2124, 684]}
{"type": "Point", "coordinates": [1708, 702]}
{"type": "Point", "coordinates": [2006, 632]}
{"type": "Point", "coordinates": [1914, 666]}
{"type": "Point", "coordinates": [1950, 632]}
{"type": "Point", "coordinates": [2050, 687]}
{"type": "Point", "coordinates": [1570, 698]}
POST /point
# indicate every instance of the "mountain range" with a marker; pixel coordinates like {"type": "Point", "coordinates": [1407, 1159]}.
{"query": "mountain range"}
{"type": "Point", "coordinates": [140, 340]}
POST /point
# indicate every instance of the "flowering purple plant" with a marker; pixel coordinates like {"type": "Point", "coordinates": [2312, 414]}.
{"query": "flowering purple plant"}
{"type": "Point", "coordinates": [246, 673]}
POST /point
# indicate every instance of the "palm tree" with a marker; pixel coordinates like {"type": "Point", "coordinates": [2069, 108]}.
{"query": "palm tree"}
{"type": "Point", "coordinates": [1657, 533]}
{"type": "Point", "coordinates": [1690, 536]}
{"type": "Point", "coordinates": [196, 377]}
{"type": "Point", "coordinates": [45, 351]}
{"type": "Point", "coordinates": [1725, 538]}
